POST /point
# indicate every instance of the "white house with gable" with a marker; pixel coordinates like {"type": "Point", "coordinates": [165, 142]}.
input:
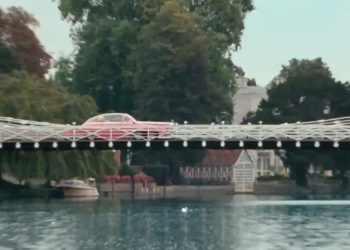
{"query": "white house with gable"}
{"type": "Point", "coordinates": [225, 167]}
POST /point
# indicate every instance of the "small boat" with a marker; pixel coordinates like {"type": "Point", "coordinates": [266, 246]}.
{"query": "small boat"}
{"type": "Point", "coordinates": [78, 188]}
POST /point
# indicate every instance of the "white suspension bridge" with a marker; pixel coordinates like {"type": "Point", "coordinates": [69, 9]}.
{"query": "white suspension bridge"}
{"type": "Point", "coordinates": [18, 134]}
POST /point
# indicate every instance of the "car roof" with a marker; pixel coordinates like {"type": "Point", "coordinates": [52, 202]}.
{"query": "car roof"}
{"type": "Point", "coordinates": [111, 114]}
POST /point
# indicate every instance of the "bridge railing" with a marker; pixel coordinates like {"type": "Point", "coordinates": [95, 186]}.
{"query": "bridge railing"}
{"type": "Point", "coordinates": [55, 132]}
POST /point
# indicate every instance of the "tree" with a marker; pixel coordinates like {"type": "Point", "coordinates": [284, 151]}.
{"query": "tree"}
{"type": "Point", "coordinates": [173, 78]}
{"type": "Point", "coordinates": [101, 64]}
{"type": "Point", "coordinates": [64, 69]}
{"type": "Point", "coordinates": [27, 97]}
{"type": "Point", "coordinates": [308, 93]}
{"type": "Point", "coordinates": [16, 33]}
{"type": "Point", "coordinates": [109, 31]}
{"type": "Point", "coordinates": [173, 69]}
{"type": "Point", "coordinates": [222, 18]}
{"type": "Point", "coordinates": [251, 82]}
{"type": "Point", "coordinates": [303, 67]}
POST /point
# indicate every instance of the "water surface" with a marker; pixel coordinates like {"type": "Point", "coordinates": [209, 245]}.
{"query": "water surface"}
{"type": "Point", "coordinates": [230, 223]}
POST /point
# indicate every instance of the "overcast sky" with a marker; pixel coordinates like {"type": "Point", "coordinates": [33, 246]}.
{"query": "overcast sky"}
{"type": "Point", "coordinates": [276, 31]}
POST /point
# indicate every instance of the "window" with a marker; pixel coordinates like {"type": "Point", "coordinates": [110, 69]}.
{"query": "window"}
{"type": "Point", "coordinates": [264, 161]}
{"type": "Point", "coordinates": [112, 118]}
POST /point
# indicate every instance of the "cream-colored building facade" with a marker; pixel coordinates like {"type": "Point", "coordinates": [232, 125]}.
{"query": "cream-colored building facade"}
{"type": "Point", "coordinates": [247, 99]}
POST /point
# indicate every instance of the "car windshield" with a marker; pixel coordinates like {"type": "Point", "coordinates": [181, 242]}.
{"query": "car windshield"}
{"type": "Point", "coordinates": [112, 118]}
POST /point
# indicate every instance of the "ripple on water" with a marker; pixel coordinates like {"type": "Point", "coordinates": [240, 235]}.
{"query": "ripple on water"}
{"type": "Point", "coordinates": [226, 224]}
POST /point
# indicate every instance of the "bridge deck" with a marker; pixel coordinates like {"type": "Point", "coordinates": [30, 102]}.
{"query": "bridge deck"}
{"type": "Point", "coordinates": [30, 135]}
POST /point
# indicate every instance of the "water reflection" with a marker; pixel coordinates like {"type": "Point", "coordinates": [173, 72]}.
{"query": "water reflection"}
{"type": "Point", "coordinates": [160, 224]}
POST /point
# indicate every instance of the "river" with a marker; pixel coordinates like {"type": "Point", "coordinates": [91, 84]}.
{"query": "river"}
{"type": "Point", "coordinates": [239, 222]}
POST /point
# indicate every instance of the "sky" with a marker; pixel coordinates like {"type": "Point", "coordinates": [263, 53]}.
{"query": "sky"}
{"type": "Point", "coordinates": [275, 32]}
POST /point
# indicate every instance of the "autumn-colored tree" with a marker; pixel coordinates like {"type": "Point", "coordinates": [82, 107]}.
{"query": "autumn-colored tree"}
{"type": "Point", "coordinates": [16, 32]}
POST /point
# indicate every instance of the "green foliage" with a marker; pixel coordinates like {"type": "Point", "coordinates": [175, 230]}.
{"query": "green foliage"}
{"type": "Point", "coordinates": [305, 67]}
{"type": "Point", "coordinates": [27, 97]}
{"type": "Point", "coordinates": [110, 30]}
{"type": "Point", "coordinates": [64, 72]}
{"type": "Point", "coordinates": [251, 82]}
{"type": "Point", "coordinates": [8, 61]}
{"type": "Point", "coordinates": [125, 169]}
{"type": "Point", "coordinates": [173, 77]}
{"type": "Point", "coordinates": [222, 18]}
{"type": "Point", "coordinates": [219, 18]}
{"type": "Point", "coordinates": [101, 65]}
{"type": "Point", "coordinates": [307, 93]}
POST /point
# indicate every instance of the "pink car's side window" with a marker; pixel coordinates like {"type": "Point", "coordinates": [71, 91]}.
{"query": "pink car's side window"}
{"type": "Point", "coordinates": [113, 118]}
{"type": "Point", "coordinates": [124, 118]}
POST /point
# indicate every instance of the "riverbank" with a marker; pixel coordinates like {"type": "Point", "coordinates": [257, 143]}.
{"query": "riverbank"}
{"type": "Point", "coordinates": [151, 190]}
{"type": "Point", "coordinates": [279, 188]}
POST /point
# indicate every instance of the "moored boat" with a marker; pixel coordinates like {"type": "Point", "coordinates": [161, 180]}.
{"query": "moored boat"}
{"type": "Point", "coordinates": [78, 188]}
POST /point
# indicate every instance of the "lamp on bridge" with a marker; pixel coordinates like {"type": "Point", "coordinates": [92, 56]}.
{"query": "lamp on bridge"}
{"type": "Point", "coordinates": [317, 144]}
{"type": "Point", "coordinates": [110, 144]}
{"type": "Point", "coordinates": [148, 144]}
{"type": "Point", "coordinates": [92, 144]}
{"type": "Point", "coordinates": [166, 144]}
{"type": "Point", "coordinates": [298, 144]}
{"type": "Point", "coordinates": [185, 144]}
{"type": "Point", "coordinates": [129, 144]}
{"type": "Point", "coordinates": [36, 144]}
{"type": "Point", "coordinates": [204, 144]}
{"type": "Point", "coordinates": [241, 144]}
{"type": "Point", "coordinates": [18, 145]}
{"type": "Point", "coordinates": [279, 144]}
{"type": "Point", "coordinates": [54, 144]}
{"type": "Point", "coordinates": [222, 144]}
{"type": "Point", "coordinates": [260, 144]}
{"type": "Point", "coordinates": [73, 144]}
{"type": "Point", "coordinates": [336, 144]}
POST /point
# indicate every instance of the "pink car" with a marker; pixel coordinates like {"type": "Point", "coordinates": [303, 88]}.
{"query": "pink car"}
{"type": "Point", "coordinates": [113, 126]}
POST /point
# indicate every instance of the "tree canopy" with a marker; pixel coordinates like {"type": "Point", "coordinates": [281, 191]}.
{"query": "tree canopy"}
{"type": "Point", "coordinates": [16, 33]}
{"type": "Point", "coordinates": [307, 93]}
{"type": "Point", "coordinates": [305, 67]}
{"type": "Point", "coordinates": [109, 34]}
{"type": "Point", "coordinates": [27, 97]}
{"type": "Point", "coordinates": [173, 70]}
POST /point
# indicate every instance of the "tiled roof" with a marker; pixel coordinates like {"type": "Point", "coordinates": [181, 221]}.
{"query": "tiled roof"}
{"type": "Point", "coordinates": [220, 157]}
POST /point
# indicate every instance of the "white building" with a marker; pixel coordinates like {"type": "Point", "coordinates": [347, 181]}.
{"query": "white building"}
{"type": "Point", "coordinates": [247, 99]}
